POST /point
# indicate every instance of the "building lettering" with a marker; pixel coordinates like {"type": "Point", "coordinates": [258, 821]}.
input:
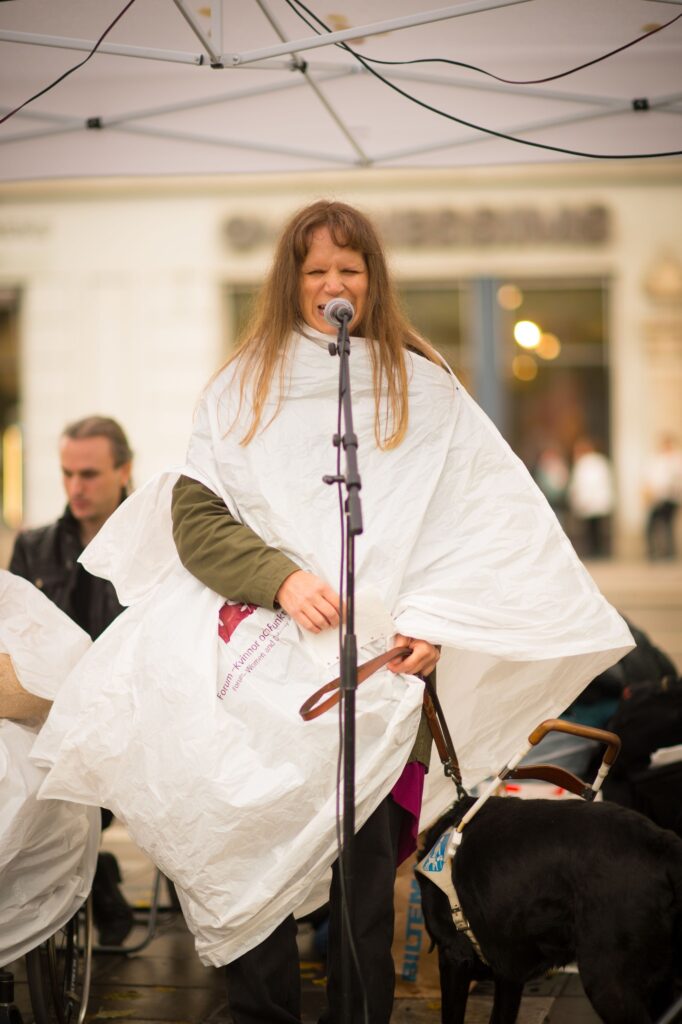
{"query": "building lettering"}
{"type": "Point", "coordinates": [449, 228]}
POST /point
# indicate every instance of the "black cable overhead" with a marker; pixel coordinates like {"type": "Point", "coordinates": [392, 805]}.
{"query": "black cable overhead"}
{"type": "Point", "coordinates": [526, 81]}
{"type": "Point", "coordinates": [637, 104]}
{"type": "Point", "coordinates": [70, 71]}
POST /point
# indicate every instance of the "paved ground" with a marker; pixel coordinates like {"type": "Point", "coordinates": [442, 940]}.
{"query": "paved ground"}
{"type": "Point", "coordinates": [165, 982]}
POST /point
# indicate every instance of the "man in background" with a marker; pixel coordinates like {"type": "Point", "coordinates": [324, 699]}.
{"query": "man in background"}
{"type": "Point", "coordinates": [96, 463]}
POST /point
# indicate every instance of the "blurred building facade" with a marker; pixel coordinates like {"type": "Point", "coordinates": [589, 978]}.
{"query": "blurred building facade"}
{"type": "Point", "coordinates": [122, 297]}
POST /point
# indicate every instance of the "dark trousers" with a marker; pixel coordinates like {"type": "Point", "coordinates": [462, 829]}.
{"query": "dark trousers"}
{"type": "Point", "coordinates": [596, 536]}
{"type": "Point", "coordinates": [660, 530]}
{"type": "Point", "coordinates": [263, 986]}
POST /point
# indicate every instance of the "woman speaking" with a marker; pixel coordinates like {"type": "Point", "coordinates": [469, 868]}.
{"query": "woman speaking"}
{"type": "Point", "coordinates": [328, 251]}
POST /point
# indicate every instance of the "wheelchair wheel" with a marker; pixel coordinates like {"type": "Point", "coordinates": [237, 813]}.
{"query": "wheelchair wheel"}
{"type": "Point", "coordinates": [59, 970]}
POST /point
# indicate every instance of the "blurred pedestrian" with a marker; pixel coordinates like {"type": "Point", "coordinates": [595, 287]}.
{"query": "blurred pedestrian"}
{"type": "Point", "coordinates": [96, 464]}
{"type": "Point", "coordinates": [551, 473]}
{"type": "Point", "coordinates": [590, 497]}
{"type": "Point", "coordinates": [663, 493]}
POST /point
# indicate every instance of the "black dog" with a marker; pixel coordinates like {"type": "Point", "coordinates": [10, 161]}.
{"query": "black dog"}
{"type": "Point", "coordinates": [544, 883]}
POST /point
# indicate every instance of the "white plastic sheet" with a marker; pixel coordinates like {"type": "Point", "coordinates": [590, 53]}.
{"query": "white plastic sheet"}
{"type": "Point", "coordinates": [203, 781]}
{"type": "Point", "coordinates": [48, 848]}
{"type": "Point", "coordinates": [230, 793]}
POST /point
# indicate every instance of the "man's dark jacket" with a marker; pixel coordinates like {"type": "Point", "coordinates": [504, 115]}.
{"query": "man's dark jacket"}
{"type": "Point", "coordinates": [48, 557]}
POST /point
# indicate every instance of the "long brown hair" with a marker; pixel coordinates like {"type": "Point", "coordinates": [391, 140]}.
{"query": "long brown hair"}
{"type": "Point", "coordinates": [277, 314]}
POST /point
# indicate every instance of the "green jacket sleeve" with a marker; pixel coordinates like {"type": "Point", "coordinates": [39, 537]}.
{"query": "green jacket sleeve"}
{"type": "Point", "coordinates": [225, 555]}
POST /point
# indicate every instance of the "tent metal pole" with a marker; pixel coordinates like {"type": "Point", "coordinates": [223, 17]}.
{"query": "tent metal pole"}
{"type": "Point", "coordinates": [208, 101]}
{"type": "Point", "coordinates": [40, 133]}
{"type": "Point", "coordinates": [665, 101]}
{"type": "Point", "coordinates": [363, 31]}
{"type": "Point", "coordinates": [217, 25]}
{"type": "Point", "coordinates": [121, 50]}
{"type": "Point", "coordinates": [257, 147]}
{"type": "Point", "coordinates": [340, 124]}
{"type": "Point", "coordinates": [199, 32]}
{"type": "Point", "coordinates": [31, 115]}
{"type": "Point", "coordinates": [115, 49]}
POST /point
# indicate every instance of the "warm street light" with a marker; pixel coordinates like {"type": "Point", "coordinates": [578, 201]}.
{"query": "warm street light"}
{"type": "Point", "coordinates": [527, 334]}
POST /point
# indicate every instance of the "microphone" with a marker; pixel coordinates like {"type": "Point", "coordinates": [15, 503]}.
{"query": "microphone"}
{"type": "Point", "coordinates": [338, 311]}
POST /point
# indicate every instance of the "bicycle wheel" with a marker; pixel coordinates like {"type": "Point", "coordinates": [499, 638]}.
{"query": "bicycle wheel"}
{"type": "Point", "coordinates": [59, 971]}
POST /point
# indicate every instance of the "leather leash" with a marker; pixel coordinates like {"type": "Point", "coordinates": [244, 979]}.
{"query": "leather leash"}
{"type": "Point", "coordinates": [441, 736]}
{"type": "Point", "coordinates": [314, 706]}
{"type": "Point", "coordinates": [311, 709]}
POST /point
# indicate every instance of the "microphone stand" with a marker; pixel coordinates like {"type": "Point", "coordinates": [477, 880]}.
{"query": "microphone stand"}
{"type": "Point", "coordinates": [348, 653]}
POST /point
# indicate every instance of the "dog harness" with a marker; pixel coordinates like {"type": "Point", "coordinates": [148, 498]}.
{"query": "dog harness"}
{"type": "Point", "coordinates": [437, 866]}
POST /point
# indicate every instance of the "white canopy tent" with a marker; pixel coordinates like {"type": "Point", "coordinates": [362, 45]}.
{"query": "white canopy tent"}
{"type": "Point", "coordinates": [244, 86]}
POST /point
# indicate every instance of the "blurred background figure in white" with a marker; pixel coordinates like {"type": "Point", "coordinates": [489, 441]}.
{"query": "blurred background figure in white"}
{"type": "Point", "coordinates": [590, 498]}
{"type": "Point", "coordinates": [663, 493]}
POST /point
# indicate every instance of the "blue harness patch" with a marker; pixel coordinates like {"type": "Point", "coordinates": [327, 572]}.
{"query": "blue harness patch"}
{"type": "Point", "coordinates": [434, 861]}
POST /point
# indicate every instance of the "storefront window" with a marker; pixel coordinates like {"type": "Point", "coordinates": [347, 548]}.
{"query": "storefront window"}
{"type": "Point", "coordinates": [437, 311]}
{"type": "Point", "coordinates": [555, 364]}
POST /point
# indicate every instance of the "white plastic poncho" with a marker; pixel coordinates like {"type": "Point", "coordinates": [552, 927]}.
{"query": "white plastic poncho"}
{"type": "Point", "coordinates": [48, 849]}
{"type": "Point", "coordinates": [194, 738]}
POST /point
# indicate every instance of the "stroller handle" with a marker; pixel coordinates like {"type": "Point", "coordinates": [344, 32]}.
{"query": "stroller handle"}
{"type": "Point", "coordinates": [588, 732]}
{"type": "Point", "coordinates": [552, 773]}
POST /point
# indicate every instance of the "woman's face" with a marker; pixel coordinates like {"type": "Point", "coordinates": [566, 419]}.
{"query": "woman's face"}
{"type": "Point", "coordinates": [330, 272]}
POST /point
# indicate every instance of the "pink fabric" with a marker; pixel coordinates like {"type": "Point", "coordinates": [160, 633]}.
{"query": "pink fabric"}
{"type": "Point", "coordinates": [407, 793]}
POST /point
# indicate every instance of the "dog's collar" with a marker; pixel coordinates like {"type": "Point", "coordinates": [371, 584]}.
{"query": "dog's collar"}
{"type": "Point", "coordinates": [437, 867]}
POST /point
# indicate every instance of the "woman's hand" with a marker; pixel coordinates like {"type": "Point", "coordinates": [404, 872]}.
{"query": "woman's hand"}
{"type": "Point", "coordinates": [311, 602]}
{"type": "Point", "coordinates": [420, 662]}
